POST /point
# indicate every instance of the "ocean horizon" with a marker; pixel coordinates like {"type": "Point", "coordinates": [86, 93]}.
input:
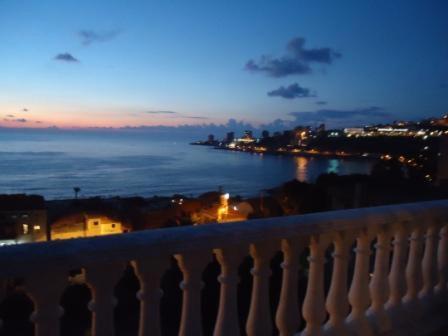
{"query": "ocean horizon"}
{"type": "Point", "coordinates": [132, 163]}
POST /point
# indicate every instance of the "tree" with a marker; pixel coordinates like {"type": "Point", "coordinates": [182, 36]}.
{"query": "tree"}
{"type": "Point", "coordinates": [76, 190]}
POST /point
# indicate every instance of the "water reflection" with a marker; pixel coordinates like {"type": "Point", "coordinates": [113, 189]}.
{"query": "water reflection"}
{"type": "Point", "coordinates": [333, 166]}
{"type": "Point", "coordinates": [301, 168]}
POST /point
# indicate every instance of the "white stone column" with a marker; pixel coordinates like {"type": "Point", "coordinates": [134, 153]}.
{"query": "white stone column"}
{"type": "Point", "coordinates": [429, 267]}
{"type": "Point", "coordinates": [287, 317]}
{"type": "Point", "coordinates": [397, 279]}
{"type": "Point", "coordinates": [102, 279]}
{"type": "Point", "coordinates": [337, 300]}
{"type": "Point", "coordinates": [192, 265]}
{"type": "Point", "coordinates": [259, 322]}
{"type": "Point", "coordinates": [358, 295]}
{"type": "Point", "coordinates": [227, 322]}
{"type": "Point", "coordinates": [45, 290]}
{"type": "Point", "coordinates": [149, 271]}
{"type": "Point", "coordinates": [414, 274]}
{"type": "Point", "coordinates": [379, 286]}
{"type": "Point", "coordinates": [313, 309]}
{"type": "Point", "coordinates": [442, 263]}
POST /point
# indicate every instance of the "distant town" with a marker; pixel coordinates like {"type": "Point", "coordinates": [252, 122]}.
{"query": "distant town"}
{"type": "Point", "coordinates": [416, 145]}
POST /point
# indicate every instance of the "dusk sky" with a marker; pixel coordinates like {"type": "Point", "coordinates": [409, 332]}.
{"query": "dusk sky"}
{"type": "Point", "coordinates": [118, 63]}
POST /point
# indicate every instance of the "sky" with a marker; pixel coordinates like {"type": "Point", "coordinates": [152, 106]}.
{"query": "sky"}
{"type": "Point", "coordinates": [80, 64]}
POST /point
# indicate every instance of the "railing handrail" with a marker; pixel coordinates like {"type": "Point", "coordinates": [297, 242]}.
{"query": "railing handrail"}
{"type": "Point", "coordinates": [24, 259]}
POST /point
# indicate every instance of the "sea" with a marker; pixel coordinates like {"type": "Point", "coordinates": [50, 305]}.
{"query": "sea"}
{"type": "Point", "coordinates": [109, 163]}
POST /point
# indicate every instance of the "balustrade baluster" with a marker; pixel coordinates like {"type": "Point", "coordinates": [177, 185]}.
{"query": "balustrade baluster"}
{"type": "Point", "coordinates": [102, 279]}
{"type": "Point", "coordinates": [259, 321]}
{"type": "Point", "coordinates": [192, 265]}
{"type": "Point", "coordinates": [358, 295]}
{"type": "Point", "coordinates": [337, 300]}
{"type": "Point", "coordinates": [287, 317]}
{"type": "Point", "coordinates": [45, 290]}
{"type": "Point", "coordinates": [429, 267]}
{"type": "Point", "coordinates": [397, 275]}
{"type": "Point", "coordinates": [149, 272]}
{"type": "Point", "coordinates": [227, 322]}
{"type": "Point", "coordinates": [442, 263]}
{"type": "Point", "coordinates": [379, 286]}
{"type": "Point", "coordinates": [314, 303]}
{"type": "Point", "coordinates": [414, 274]}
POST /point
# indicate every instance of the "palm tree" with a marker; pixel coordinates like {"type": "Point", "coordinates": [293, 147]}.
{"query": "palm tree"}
{"type": "Point", "coordinates": [76, 190]}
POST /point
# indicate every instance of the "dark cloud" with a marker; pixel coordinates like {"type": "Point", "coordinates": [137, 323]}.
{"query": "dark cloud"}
{"type": "Point", "coordinates": [292, 91]}
{"type": "Point", "coordinates": [38, 122]}
{"type": "Point", "coordinates": [342, 117]}
{"type": "Point", "coordinates": [161, 112]}
{"type": "Point", "coordinates": [25, 109]}
{"type": "Point", "coordinates": [318, 55]}
{"type": "Point", "coordinates": [173, 114]}
{"type": "Point", "coordinates": [89, 37]}
{"type": "Point", "coordinates": [298, 61]}
{"type": "Point", "coordinates": [192, 117]}
{"type": "Point", "coordinates": [10, 116]}
{"type": "Point", "coordinates": [278, 67]}
{"type": "Point", "coordinates": [20, 120]}
{"type": "Point", "coordinates": [321, 102]}
{"type": "Point", "coordinates": [66, 57]}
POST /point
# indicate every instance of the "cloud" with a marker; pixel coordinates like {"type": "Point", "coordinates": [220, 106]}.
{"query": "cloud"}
{"type": "Point", "coordinates": [161, 112]}
{"type": "Point", "coordinates": [298, 60]}
{"type": "Point", "coordinates": [25, 109]}
{"type": "Point", "coordinates": [89, 36]}
{"type": "Point", "coordinates": [66, 57]}
{"type": "Point", "coordinates": [341, 118]}
{"type": "Point", "coordinates": [193, 117]}
{"type": "Point", "coordinates": [173, 114]}
{"type": "Point", "coordinates": [10, 116]}
{"type": "Point", "coordinates": [321, 102]}
{"type": "Point", "coordinates": [20, 120]}
{"type": "Point", "coordinates": [292, 91]}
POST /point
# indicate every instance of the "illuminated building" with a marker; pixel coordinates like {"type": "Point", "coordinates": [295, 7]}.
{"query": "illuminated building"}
{"type": "Point", "coordinates": [22, 219]}
{"type": "Point", "coordinates": [85, 225]}
{"type": "Point", "coordinates": [230, 137]}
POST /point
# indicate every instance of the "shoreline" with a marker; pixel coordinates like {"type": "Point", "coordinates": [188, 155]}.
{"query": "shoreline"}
{"type": "Point", "coordinates": [299, 153]}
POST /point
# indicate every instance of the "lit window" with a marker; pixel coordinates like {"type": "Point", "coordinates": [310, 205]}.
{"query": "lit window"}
{"type": "Point", "coordinates": [25, 216]}
{"type": "Point", "coordinates": [36, 227]}
{"type": "Point", "coordinates": [25, 228]}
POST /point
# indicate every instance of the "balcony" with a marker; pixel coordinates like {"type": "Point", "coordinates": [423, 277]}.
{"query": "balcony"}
{"type": "Point", "coordinates": [369, 271]}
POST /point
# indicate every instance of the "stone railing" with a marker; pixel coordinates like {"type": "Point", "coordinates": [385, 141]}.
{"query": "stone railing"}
{"type": "Point", "coordinates": [388, 274]}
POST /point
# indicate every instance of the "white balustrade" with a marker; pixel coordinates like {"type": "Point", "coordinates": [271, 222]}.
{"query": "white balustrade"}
{"type": "Point", "coordinates": [413, 272]}
{"type": "Point", "coordinates": [227, 322]}
{"type": "Point", "coordinates": [337, 300]}
{"type": "Point", "coordinates": [358, 295]}
{"type": "Point", "coordinates": [314, 302]}
{"type": "Point", "coordinates": [429, 266]}
{"type": "Point", "coordinates": [287, 317]}
{"type": "Point", "coordinates": [390, 297]}
{"type": "Point", "coordinates": [397, 275]}
{"type": "Point", "coordinates": [192, 265]}
{"type": "Point", "coordinates": [259, 321]}
{"type": "Point", "coordinates": [102, 280]}
{"type": "Point", "coordinates": [149, 272]}
{"type": "Point", "coordinates": [379, 286]}
{"type": "Point", "coordinates": [45, 290]}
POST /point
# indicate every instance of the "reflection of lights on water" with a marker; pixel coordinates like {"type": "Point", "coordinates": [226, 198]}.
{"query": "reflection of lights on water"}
{"type": "Point", "coordinates": [333, 166]}
{"type": "Point", "coordinates": [302, 168]}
